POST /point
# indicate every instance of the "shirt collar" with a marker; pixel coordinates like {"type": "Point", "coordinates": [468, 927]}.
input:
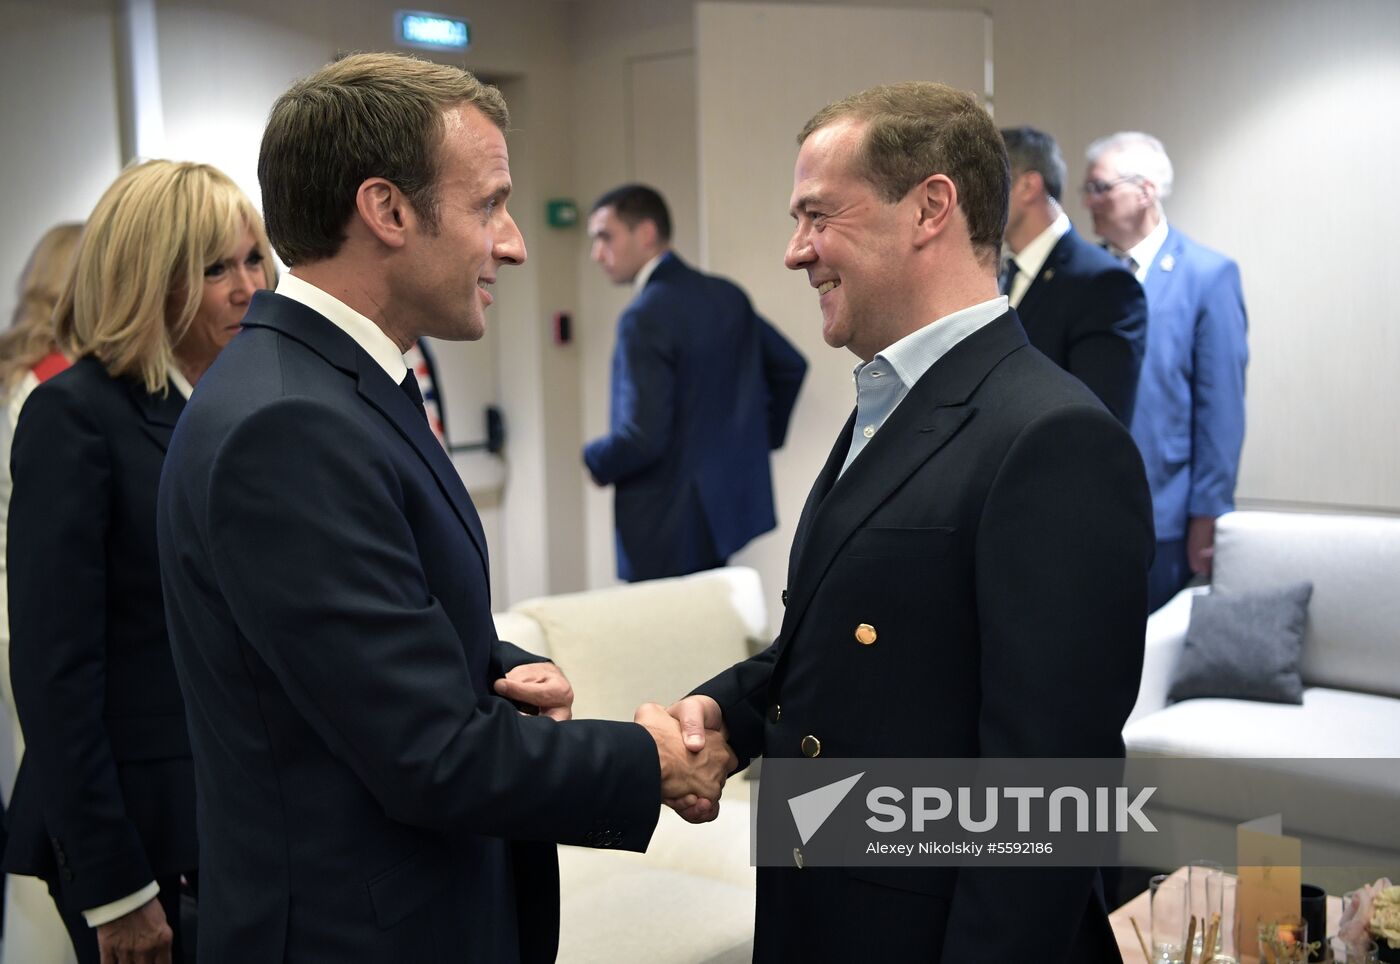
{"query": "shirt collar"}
{"type": "Point", "coordinates": [916, 352]}
{"type": "Point", "coordinates": [1032, 257]}
{"type": "Point", "coordinates": [366, 333]}
{"type": "Point", "coordinates": [181, 383]}
{"type": "Point", "coordinates": [644, 275]}
{"type": "Point", "coordinates": [1145, 251]}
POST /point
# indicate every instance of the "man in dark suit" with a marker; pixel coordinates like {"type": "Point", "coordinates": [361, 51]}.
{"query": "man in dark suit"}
{"type": "Point", "coordinates": [967, 578]}
{"type": "Point", "coordinates": [367, 789]}
{"type": "Point", "coordinates": [1189, 417]}
{"type": "Point", "coordinates": [702, 389]}
{"type": "Point", "coordinates": [1080, 306]}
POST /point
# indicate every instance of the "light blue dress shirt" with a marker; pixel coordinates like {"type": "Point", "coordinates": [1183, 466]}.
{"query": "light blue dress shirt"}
{"type": "Point", "coordinates": [882, 382]}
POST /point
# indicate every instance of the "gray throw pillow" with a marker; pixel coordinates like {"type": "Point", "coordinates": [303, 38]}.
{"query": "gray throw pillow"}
{"type": "Point", "coordinates": [1245, 646]}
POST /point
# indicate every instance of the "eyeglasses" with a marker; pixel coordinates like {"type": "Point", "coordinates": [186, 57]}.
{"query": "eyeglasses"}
{"type": "Point", "coordinates": [1092, 189]}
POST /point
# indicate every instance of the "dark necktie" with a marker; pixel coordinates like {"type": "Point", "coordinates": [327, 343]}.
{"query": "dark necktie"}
{"type": "Point", "coordinates": [1009, 272]}
{"type": "Point", "coordinates": [410, 388]}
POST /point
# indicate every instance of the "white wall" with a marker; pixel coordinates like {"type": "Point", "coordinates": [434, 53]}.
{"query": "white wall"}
{"type": "Point", "coordinates": [748, 129]}
{"type": "Point", "coordinates": [61, 136]}
{"type": "Point", "coordinates": [1277, 113]}
{"type": "Point", "coordinates": [607, 38]}
{"type": "Point", "coordinates": [221, 66]}
{"type": "Point", "coordinates": [1279, 118]}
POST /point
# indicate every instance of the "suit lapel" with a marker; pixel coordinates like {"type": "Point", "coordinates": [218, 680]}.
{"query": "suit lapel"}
{"type": "Point", "coordinates": [933, 412]}
{"type": "Point", "coordinates": [1163, 269]}
{"type": "Point", "coordinates": [159, 413]}
{"type": "Point", "coordinates": [1045, 281]}
{"type": "Point", "coordinates": [339, 350]}
{"type": "Point", "coordinates": [376, 388]}
{"type": "Point", "coordinates": [1045, 278]}
{"type": "Point", "coordinates": [825, 480]}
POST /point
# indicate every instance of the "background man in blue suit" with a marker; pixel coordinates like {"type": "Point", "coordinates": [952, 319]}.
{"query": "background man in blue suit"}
{"type": "Point", "coordinates": [702, 389]}
{"type": "Point", "coordinates": [1080, 306]}
{"type": "Point", "coordinates": [1189, 419]}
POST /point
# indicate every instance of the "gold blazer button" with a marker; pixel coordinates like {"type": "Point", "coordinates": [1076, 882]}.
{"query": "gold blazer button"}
{"type": "Point", "coordinates": [811, 746]}
{"type": "Point", "coordinates": [866, 635]}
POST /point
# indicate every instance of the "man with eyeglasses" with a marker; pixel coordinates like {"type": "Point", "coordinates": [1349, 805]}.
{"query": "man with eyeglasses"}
{"type": "Point", "coordinates": [1080, 306]}
{"type": "Point", "coordinates": [1189, 417]}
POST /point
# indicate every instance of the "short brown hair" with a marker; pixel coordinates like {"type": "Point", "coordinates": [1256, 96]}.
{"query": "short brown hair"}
{"type": "Point", "coordinates": [138, 277]}
{"type": "Point", "coordinates": [366, 115]}
{"type": "Point", "coordinates": [918, 129]}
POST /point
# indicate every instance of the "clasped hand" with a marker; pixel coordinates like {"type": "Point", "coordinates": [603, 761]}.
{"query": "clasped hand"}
{"type": "Point", "coordinates": [692, 743]}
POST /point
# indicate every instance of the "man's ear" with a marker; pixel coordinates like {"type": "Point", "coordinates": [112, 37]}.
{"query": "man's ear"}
{"type": "Point", "coordinates": [384, 211]}
{"type": "Point", "coordinates": [937, 199]}
{"type": "Point", "coordinates": [1031, 182]}
{"type": "Point", "coordinates": [1149, 193]}
{"type": "Point", "coordinates": [646, 233]}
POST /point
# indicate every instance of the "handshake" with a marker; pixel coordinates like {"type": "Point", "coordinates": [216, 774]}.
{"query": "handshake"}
{"type": "Point", "coordinates": [693, 745]}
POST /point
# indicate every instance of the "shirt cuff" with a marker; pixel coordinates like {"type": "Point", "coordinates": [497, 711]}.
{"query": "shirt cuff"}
{"type": "Point", "coordinates": [120, 908]}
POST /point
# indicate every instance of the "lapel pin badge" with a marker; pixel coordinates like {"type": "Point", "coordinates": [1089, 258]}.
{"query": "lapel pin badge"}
{"type": "Point", "coordinates": [1049, 273]}
{"type": "Point", "coordinates": [1168, 263]}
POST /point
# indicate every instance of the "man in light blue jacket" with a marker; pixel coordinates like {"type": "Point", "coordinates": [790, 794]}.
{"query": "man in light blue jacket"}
{"type": "Point", "coordinates": [1189, 418]}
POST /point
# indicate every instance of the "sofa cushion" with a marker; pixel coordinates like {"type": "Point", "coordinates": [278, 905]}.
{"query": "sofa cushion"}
{"type": "Point", "coordinates": [632, 912]}
{"type": "Point", "coordinates": [1305, 755]}
{"type": "Point", "coordinates": [1329, 723]}
{"type": "Point", "coordinates": [1351, 561]}
{"type": "Point", "coordinates": [522, 631]}
{"type": "Point", "coordinates": [1244, 645]}
{"type": "Point", "coordinates": [649, 641]}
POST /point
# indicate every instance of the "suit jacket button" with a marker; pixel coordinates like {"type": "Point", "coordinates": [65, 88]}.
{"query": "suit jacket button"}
{"type": "Point", "coordinates": [784, 597]}
{"type": "Point", "coordinates": [866, 635]}
{"type": "Point", "coordinates": [775, 713]}
{"type": "Point", "coordinates": [67, 875]}
{"type": "Point", "coordinates": [811, 746]}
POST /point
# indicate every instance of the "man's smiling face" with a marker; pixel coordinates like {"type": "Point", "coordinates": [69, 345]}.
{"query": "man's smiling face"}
{"type": "Point", "coordinates": [848, 240]}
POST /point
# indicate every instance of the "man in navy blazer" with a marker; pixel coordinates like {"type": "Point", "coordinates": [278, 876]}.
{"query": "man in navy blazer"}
{"type": "Point", "coordinates": [967, 578]}
{"type": "Point", "coordinates": [367, 789]}
{"type": "Point", "coordinates": [1189, 418]}
{"type": "Point", "coordinates": [1080, 306]}
{"type": "Point", "coordinates": [702, 389]}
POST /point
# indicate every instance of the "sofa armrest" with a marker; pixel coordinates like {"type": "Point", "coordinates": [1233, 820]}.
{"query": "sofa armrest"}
{"type": "Point", "coordinates": [1166, 635]}
{"type": "Point", "coordinates": [523, 631]}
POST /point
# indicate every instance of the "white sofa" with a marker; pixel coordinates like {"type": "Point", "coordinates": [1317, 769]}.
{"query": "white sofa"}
{"type": "Point", "coordinates": [689, 899]}
{"type": "Point", "coordinates": [1346, 814]}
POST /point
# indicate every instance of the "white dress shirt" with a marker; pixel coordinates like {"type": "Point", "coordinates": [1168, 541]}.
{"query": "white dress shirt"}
{"type": "Point", "coordinates": [1145, 251]}
{"type": "Point", "coordinates": [644, 275]}
{"type": "Point", "coordinates": [1031, 258]}
{"type": "Point", "coordinates": [366, 333]}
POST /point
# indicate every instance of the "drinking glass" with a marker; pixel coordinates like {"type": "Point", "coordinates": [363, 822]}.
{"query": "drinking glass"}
{"type": "Point", "coordinates": [1168, 924]}
{"type": "Point", "coordinates": [1221, 893]}
{"type": "Point", "coordinates": [1198, 901]}
{"type": "Point", "coordinates": [1363, 951]}
{"type": "Point", "coordinates": [1285, 941]}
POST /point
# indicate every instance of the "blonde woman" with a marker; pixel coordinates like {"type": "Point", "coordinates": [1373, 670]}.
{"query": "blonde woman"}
{"type": "Point", "coordinates": [28, 356]}
{"type": "Point", "coordinates": [34, 933]}
{"type": "Point", "coordinates": [103, 807]}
